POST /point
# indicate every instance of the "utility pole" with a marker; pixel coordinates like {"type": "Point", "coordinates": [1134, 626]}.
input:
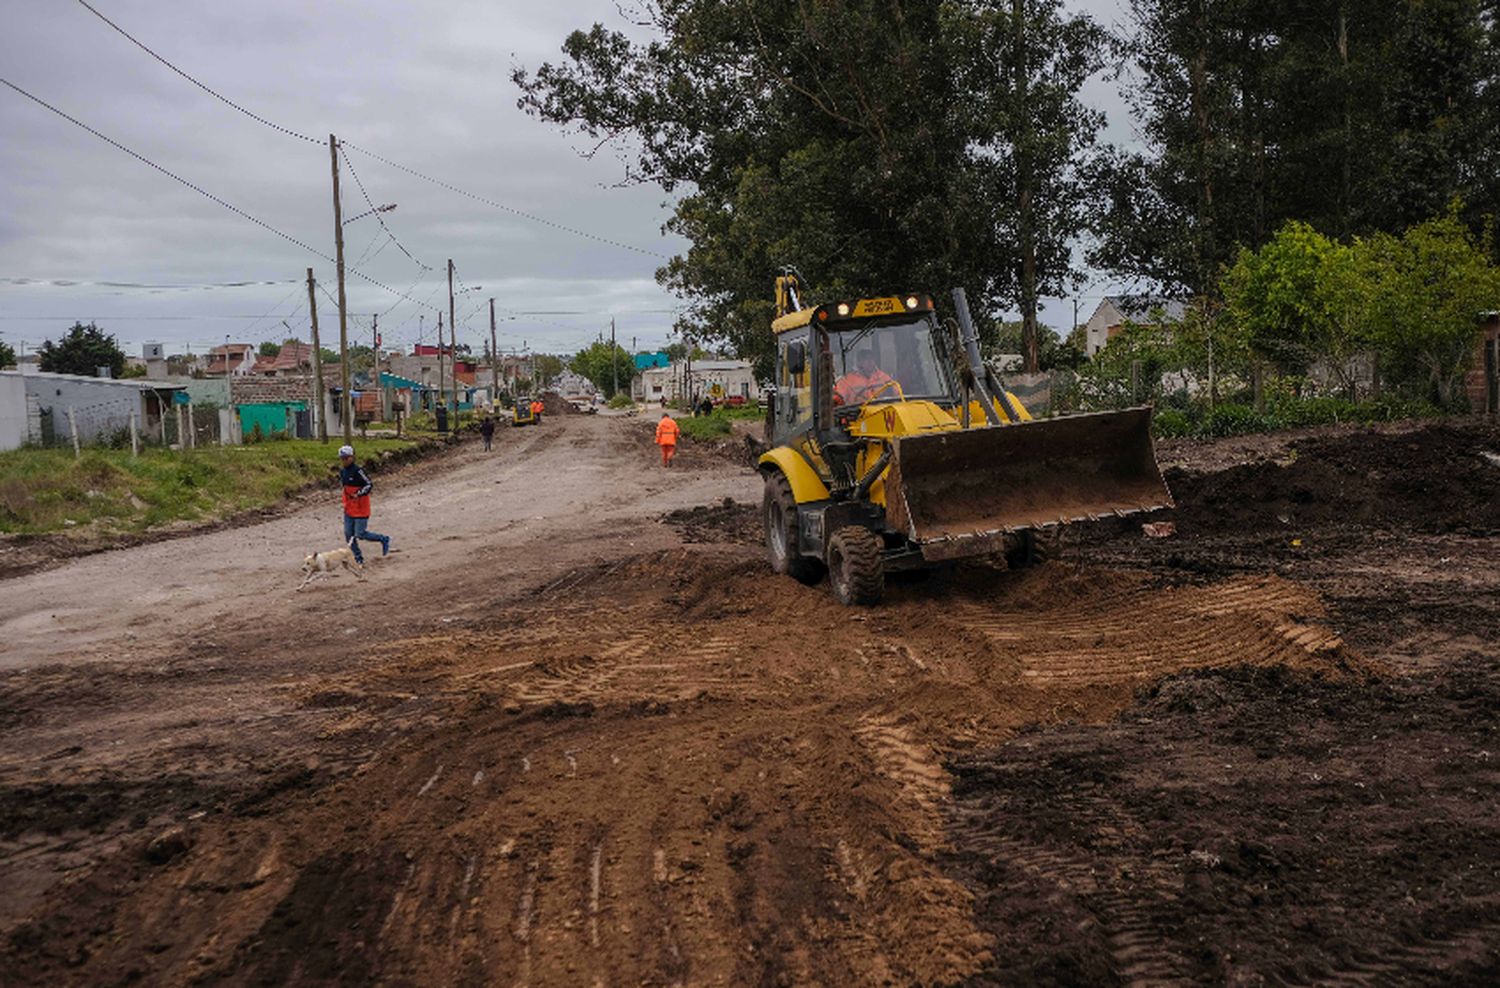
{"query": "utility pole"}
{"type": "Point", "coordinates": [375, 354]}
{"type": "Point", "coordinates": [614, 363]}
{"type": "Point", "coordinates": [338, 244]}
{"type": "Point", "coordinates": [440, 360]}
{"type": "Point", "coordinates": [494, 357]}
{"type": "Point", "coordinates": [322, 406]}
{"type": "Point", "coordinates": [453, 336]}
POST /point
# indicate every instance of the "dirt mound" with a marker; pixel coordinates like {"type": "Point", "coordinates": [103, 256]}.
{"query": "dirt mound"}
{"type": "Point", "coordinates": [555, 404]}
{"type": "Point", "coordinates": [1243, 827]}
{"type": "Point", "coordinates": [1436, 479]}
{"type": "Point", "coordinates": [727, 521]}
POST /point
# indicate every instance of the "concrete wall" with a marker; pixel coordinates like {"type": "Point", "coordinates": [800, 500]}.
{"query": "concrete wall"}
{"type": "Point", "coordinates": [100, 406]}
{"type": "Point", "coordinates": [13, 427]}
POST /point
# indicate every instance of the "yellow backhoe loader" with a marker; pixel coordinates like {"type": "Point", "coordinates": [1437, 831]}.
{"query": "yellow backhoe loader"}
{"type": "Point", "coordinates": [895, 447]}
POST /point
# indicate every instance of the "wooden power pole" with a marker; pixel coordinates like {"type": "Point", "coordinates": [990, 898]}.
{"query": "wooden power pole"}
{"type": "Point", "coordinates": [321, 408]}
{"type": "Point", "coordinates": [440, 360]}
{"type": "Point", "coordinates": [614, 363]}
{"type": "Point", "coordinates": [453, 337]}
{"type": "Point", "coordinates": [338, 244]}
{"type": "Point", "coordinates": [494, 357]}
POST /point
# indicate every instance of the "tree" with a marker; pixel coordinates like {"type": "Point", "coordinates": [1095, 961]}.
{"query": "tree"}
{"type": "Point", "coordinates": [1430, 287]}
{"type": "Point", "coordinates": [1024, 62]}
{"type": "Point", "coordinates": [547, 367]}
{"type": "Point", "coordinates": [7, 355]}
{"type": "Point", "coordinates": [269, 349]}
{"type": "Point", "coordinates": [1353, 116]}
{"type": "Point", "coordinates": [857, 142]}
{"type": "Point", "coordinates": [83, 350]}
{"type": "Point", "coordinates": [606, 364]}
{"type": "Point", "coordinates": [1302, 297]}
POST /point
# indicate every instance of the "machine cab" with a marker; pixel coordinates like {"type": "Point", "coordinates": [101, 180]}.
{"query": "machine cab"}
{"type": "Point", "coordinates": [522, 414]}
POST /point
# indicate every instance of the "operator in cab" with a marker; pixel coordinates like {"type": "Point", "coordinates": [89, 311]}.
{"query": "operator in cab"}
{"type": "Point", "coordinates": [862, 383]}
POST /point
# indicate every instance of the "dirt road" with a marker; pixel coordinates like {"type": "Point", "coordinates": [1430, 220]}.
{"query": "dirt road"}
{"type": "Point", "coordinates": [572, 745]}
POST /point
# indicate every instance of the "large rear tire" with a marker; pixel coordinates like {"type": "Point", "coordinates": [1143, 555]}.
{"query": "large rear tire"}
{"type": "Point", "coordinates": [856, 566]}
{"type": "Point", "coordinates": [778, 510]}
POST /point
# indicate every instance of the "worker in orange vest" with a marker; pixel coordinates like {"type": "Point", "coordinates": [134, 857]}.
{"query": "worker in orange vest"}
{"type": "Point", "coordinates": [536, 409]}
{"type": "Point", "coordinates": [667, 432]}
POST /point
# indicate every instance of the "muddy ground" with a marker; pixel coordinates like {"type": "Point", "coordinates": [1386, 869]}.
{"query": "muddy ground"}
{"type": "Point", "coordinates": [592, 741]}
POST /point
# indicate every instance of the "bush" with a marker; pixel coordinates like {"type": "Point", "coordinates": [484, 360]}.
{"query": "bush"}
{"type": "Point", "coordinates": [1173, 423]}
{"type": "Point", "coordinates": [1231, 420]}
{"type": "Point", "coordinates": [621, 401]}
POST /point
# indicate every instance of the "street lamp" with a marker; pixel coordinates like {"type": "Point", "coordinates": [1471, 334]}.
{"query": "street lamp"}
{"type": "Point", "coordinates": [378, 209]}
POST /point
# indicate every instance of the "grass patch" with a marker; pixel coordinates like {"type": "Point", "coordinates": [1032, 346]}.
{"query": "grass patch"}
{"type": "Point", "coordinates": [705, 428]}
{"type": "Point", "coordinates": [48, 490]}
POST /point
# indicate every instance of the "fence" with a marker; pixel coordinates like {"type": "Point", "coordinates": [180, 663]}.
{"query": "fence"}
{"type": "Point", "coordinates": [110, 425]}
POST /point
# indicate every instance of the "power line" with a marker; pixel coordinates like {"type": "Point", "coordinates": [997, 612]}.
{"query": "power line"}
{"type": "Point", "coordinates": [214, 93]}
{"type": "Point", "coordinates": [376, 210]}
{"type": "Point", "coordinates": [196, 188]}
{"type": "Point", "coordinates": [77, 283]}
{"type": "Point", "coordinates": [410, 171]}
{"type": "Point", "coordinates": [504, 208]}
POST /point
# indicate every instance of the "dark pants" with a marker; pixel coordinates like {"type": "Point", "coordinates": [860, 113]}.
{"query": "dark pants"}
{"type": "Point", "coordinates": [487, 438]}
{"type": "Point", "coordinates": [358, 528]}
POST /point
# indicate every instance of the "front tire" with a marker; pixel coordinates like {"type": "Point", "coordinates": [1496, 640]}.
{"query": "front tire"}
{"type": "Point", "coordinates": [856, 566]}
{"type": "Point", "coordinates": [778, 510]}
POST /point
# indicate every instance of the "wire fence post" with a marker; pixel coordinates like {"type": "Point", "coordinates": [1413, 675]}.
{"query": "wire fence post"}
{"type": "Point", "coordinates": [73, 428]}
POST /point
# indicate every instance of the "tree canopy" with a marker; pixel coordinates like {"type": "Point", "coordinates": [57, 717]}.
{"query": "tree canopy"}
{"type": "Point", "coordinates": [83, 350]}
{"type": "Point", "coordinates": [607, 364]}
{"type": "Point", "coordinates": [874, 147]}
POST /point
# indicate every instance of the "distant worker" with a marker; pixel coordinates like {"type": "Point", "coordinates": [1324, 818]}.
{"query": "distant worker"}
{"type": "Point", "coordinates": [356, 484]}
{"type": "Point", "coordinates": [706, 406]}
{"type": "Point", "coordinates": [863, 383]}
{"type": "Point", "coordinates": [487, 430]}
{"type": "Point", "coordinates": [536, 408]}
{"type": "Point", "coordinates": [667, 433]}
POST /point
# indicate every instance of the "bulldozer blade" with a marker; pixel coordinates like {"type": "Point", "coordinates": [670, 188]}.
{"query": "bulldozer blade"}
{"type": "Point", "coordinates": [959, 493]}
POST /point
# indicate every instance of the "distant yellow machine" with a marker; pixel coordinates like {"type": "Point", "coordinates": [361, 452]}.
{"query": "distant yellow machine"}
{"type": "Point", "coordinates": [522, 414]}
{"type": "Point", "coordinates": [895, 447]}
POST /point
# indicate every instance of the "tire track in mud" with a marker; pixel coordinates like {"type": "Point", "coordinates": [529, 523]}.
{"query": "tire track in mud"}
{"type": "Point", "coordinates": [668, 771]}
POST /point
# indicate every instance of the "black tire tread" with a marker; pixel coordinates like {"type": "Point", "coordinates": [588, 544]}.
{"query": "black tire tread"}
{"type": "Point", "coordinates": [861, 555]}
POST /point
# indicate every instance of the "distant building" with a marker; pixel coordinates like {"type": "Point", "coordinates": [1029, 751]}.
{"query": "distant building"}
{"type": "Point", "coordinates": [294, 358]}
{"type": "Point", "coordinates": [237, 358]}
{"type": "Point", "coordinates": [1116, 311]}
{"type": "Point", "coordinates": [35, 407]}
{"type": "Point", "coordinates": [649, 361]}
{"type": "Point", "coordinates": [571, 384]}
{"type": "Point", "coordinates": [692, 380]}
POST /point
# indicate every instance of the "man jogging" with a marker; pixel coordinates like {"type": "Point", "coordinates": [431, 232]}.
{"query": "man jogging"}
{"type": "Point", "coordinates": [356, 484]}
{"type": "Point", "coordinates": [667, 432]}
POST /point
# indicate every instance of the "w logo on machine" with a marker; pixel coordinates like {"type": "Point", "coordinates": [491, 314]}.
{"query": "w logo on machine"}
{"type": "Point", "coordinates": [890, 420]}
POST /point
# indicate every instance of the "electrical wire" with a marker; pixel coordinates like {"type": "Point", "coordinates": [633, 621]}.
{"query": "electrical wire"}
{"type": "Point", "coordinates": [77, 283]}
{"type": "Point", "coordinates": [504, 208]}
{"type": "Point", "coordinates": [214, 93]}
{"type": "Point", "coordinates": [376, 210]}
{"type": "Point", "coordinates": [383, 160]}
{"type": "Point", "coordinates": [196, 188]}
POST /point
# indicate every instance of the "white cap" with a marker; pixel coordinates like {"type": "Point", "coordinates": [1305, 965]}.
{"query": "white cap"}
{"type": "Point", "coordinates": [346, 450]}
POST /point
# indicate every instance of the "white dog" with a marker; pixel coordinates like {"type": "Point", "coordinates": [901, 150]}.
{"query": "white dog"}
{"type": "Point", "coordinates": [323, 563]}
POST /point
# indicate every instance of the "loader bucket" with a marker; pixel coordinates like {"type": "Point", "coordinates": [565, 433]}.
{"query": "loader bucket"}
{"type": "Point", "coordinates": [956, 493]}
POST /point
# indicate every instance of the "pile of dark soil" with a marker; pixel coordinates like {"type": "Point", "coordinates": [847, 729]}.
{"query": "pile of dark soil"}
{"type": "Point", "coordinates": [1245, 827]}
{"type": "Point", "coordinates": [556, 404]}
{"type": "Point", "coordinates": [1437, 479]}
{"type": "Point", "coordinates": [727, 521]}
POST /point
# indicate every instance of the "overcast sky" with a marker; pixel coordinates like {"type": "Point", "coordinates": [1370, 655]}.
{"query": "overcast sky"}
{"type": "Point", "coordinates": [426, 85]}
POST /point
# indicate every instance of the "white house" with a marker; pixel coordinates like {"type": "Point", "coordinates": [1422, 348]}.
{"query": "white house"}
{"type": "Point", "coordinates": [36, 407]}
{"type": "Point", "coordinates": [683, 379]}
{"type": "Point", "coordinates": [1117, 310]}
